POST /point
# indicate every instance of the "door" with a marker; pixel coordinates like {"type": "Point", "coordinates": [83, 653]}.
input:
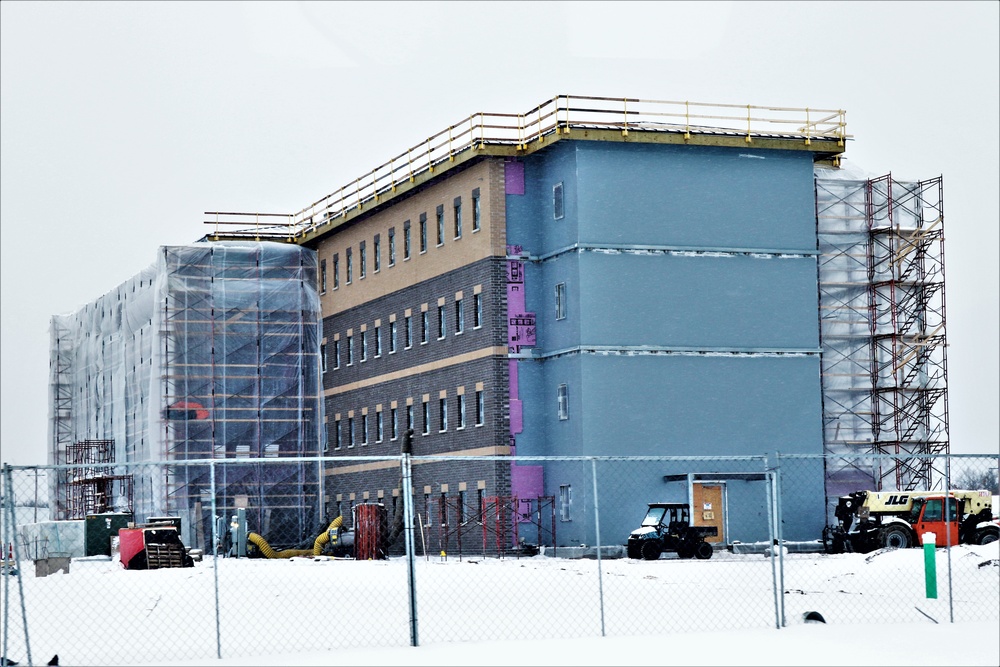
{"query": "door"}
{"type": "Point", "coordinates": [707, 507]}
{"type": "Point", "coordinates": [932, 521]}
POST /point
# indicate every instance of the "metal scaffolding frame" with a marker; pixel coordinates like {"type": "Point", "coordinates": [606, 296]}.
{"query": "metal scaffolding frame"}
{"type": "Point", "coordinates": [883, 331]}
{"type": "Point", "coordinates": [213, 352]}
{"type": "Point", "coordinates": [91, 486]}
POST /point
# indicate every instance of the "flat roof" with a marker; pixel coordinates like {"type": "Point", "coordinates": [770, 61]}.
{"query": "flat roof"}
{"type": "Point", "coordinates": [822, 132]}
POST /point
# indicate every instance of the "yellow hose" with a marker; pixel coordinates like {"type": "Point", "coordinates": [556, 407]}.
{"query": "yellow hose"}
{"type": "Point", "coordinates": [324, 537]}
{"type": "Point", "coordinates": [268, 552]}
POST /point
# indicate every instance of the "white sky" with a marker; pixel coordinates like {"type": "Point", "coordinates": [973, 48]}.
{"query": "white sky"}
{"type": "Point", "coordinates": [123, 122]}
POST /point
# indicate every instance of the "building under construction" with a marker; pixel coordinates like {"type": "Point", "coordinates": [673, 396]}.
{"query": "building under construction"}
{"type": "Point", "coordinates": [595, 276]}
{"type": "Point", "coordinates": [212, 352]}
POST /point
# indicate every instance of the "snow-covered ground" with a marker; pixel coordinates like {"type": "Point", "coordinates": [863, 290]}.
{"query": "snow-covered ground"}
{"type": "Point", "coordinates": [537, 610]}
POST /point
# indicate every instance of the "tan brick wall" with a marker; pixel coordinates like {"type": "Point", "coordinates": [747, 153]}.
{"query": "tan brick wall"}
{"type": "Point", "coordinates": [452, 254]}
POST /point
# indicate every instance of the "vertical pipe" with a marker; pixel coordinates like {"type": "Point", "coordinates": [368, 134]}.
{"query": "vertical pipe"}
{"type": "Point", "coordinates": [8, 530]}
{"type": "Point", "coordinates": [410, 567]}
{"type": "Point", "coordinates": [770, 538]}
{"type": "Point", "coordinates": [597, 541]}
{"type": "Point", "coordinates": [215, 559]}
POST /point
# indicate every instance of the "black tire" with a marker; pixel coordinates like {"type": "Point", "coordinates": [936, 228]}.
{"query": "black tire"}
{"type": "Point", "coordinates": [703, 551]}
{"type": "Point", "coordinates": [987, 535]}
{"type": "Point", "coordinates": [685, 550]}
{"type": "Point", "coordinates": [896, 537]}
{"type": "Point", "coordinates": [651, 550]}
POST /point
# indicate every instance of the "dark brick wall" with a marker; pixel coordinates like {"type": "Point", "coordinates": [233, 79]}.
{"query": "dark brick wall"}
{"type": "Point", "coordinates": [394, 377]}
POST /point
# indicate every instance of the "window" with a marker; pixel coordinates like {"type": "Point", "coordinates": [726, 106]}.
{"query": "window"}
{"type": "Point", "coordinates": [392, 337]}
{"type": "Point", "coordinates": [441, 323]}
{"type": "Point", "coordinates": [350, 350]}
{"type": "Point", "coordinates": [480, 408]}
{"type": "Point", "coordinates": [481, 504]}
{"type": "Point", "coordinates": [476, 214]}
{"type": "Point", "coordinates": [477, 311]}
{"type": "Point", "coordinates": [423, 232]}
{"type": "Point", "coordinates": [565, 500]}
{"type": "Point", "coordinates": [424, 327]}
{"type": "Point", "coordinates": [322, 276]}
{"type": "Point", "coordinates": [336, 353]}
{"type": "Point", "coordinates": [427, 416]}
{"type": "Point", "coordinates": [379, 429]}
{"type": "Point", "coordinates": [439, 213]}
{"type": "Point", "coordinates": [463, 508]}
{"type": "Point", "coordinates": [336, 271]}
{"type": "Point", "coordinates": [392, 246]}
{"type": "Point", "coordinates": [562, 400]}
{"type": "Point", "coordinates": [336, 434]}
{"type": "Point", "coordinates": [363, 260]}
{"type": "Point", "coordinates": [378, 341]}
{"type": "Point", "coordinates": [460, 411]}
{"type": "Point", "coordinates": [409, 417]}
{"type": "Point", "coordinates": [364, 429]}
{"type": "Point", "coordinates": [350, 432]}
{"type": "Point", "coordinates": [408, 332]}
{"type": "Point", "coordinates": [393, 423]}
{"type": "Point", "coordinates": [364, 346]}
{"type": "Point", "coordinates": [443, 406]}
{"type": "Point", "coordinates": [557, 201]}
{"type": "Point", "coordinates": [459, 317]}
{"type": "Point", "coordinates": [561, 301]}
{"type": "Point", "coordinates": [376, 253]}
{"type": "Point", "coordinates": [458, 217]}
{"type": "Point", "coordinates": [350, 267]}
{"type": "Point", "coordinates": [406, 240]}
{"type": "Point", "coordinates": [322, 356]}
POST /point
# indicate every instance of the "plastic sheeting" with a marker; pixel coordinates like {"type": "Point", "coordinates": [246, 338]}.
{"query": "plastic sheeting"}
{"type": "Point", "coordinates": [212, 352]}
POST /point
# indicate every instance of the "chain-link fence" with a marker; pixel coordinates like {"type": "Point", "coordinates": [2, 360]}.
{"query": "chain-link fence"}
{"type": "Point", "coordinates": [221, 561]}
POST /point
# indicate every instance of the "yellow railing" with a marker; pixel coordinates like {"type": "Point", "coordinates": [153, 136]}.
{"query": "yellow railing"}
{"type": "Point", "coordinates": [560, 115]}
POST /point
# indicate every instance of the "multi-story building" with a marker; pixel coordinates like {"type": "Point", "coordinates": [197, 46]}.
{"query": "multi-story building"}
{"type": "Point", "coordinates": [602, 277]}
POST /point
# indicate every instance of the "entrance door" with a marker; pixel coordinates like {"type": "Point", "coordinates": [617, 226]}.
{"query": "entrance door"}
{"type": "Point", "coordinates": [707, 507]}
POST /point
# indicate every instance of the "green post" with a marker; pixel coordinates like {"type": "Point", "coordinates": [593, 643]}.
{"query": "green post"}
{"type": "Point", "coordinates": [930, 571]}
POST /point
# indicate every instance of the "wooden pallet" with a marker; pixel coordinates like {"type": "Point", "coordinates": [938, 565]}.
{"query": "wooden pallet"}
{"type": "Point", "coordinates": [164, 555]}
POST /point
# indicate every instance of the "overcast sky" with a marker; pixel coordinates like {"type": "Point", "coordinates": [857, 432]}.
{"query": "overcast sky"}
{"type": "Point", "coordinates": [123, 122]}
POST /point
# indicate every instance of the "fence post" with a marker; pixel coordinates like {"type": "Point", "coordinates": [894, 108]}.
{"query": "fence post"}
{"type": "Point", "coordinates": [10, 539]}
{"type": "Point", "coordinates": [410, 560]}
{"type": "Point", "coordinates": [770, 538]}
{"type": "Point", "coordinates": [947, 537]}
{"type": "Point", "coordinates": [215, 560]}
{"type": "Point", "coordinates": [778, 523]}
{"type": "Point", "coordinates": [597, 539]}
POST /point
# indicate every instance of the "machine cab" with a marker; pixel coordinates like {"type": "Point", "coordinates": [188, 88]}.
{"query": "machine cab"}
{"type": "Point", "coordinates": [928, 516]}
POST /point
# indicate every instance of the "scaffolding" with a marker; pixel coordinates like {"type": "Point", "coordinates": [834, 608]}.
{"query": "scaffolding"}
{"type": "Point", "coordinates": [91, 485]}
{"type": "Point", "coordinates": [211, 353]}
{"type": "Point", "coordinates": [883, 330]}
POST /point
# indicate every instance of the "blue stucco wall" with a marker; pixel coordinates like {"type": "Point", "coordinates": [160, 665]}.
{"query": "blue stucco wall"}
{"type": "Point", "coordinates": [695, 276]}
